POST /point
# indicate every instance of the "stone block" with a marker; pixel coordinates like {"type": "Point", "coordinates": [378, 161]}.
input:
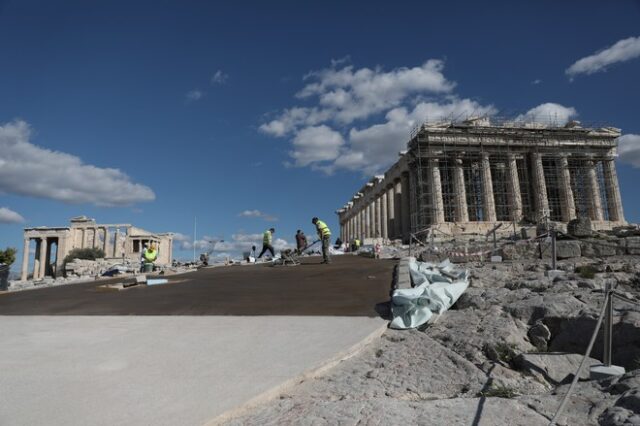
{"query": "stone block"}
{"type": "Point", "coordinates": [580, 227]}
{"type": "Point", "coordinates": [496, 259]}
{"type": "Point", "coordinates": [568, 249]}
{"type": "Point", "coordinates": [554, 273]}
{"type": "Point", "coordinates": [553, 367]}
{"type": "Point", "coordinates": [632, 245]}
{"type": "Point", "coordinates": [600, 248]}
{"type": "Point", "coordinates": [528, 233]}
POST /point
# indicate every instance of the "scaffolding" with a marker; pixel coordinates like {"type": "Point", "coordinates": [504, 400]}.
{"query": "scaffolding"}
{"type": "Point", "coordinates": [439, 150]}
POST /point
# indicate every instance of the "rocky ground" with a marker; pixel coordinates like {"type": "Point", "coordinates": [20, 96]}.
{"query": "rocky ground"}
{"type": "Point", "coordinates": [504, 355]}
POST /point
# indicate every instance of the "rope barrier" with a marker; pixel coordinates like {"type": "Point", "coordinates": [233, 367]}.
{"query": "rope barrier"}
{"type": "Point", "coordinates": [584, 359]}
{"type": "Point", "coordinates": [625, 299]}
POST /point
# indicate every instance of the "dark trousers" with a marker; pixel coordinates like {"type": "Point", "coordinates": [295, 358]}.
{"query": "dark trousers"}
{"type": "Point", "coordinates": [266, 247]}
{"type": "Point", "coordinates": [326, 242]}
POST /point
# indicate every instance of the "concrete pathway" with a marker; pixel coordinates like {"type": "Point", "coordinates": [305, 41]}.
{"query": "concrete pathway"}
{"type": "Point", "coordinates": [158, 370]}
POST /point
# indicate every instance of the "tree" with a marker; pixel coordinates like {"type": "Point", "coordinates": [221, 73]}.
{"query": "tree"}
{"type": "Point", "coordinates": [84, 253]}
{"type": "Point", "coordinates": [8, 256]}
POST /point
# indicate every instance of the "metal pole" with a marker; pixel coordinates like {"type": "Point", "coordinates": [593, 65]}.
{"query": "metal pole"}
{"type": "Point", "coordinates": [194, 239]}
{"type": "Point", "coordinates": [553, 249]}
{"type": "Point", "coordinates": [608, 326]}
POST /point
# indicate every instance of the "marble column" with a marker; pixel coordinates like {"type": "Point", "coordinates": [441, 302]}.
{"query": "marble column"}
{"type": "Point", "coordinates": [391, 211]}
{"type": "Point", "coordinates": [398, 209]}
{"type": "Point", "coordinates": [106, 241]}
{"type": "Point", "coordinates": [461, 210]}
{"type": "Point", "coordinates": [595, 206]}
{"type": "Point", "coordinates": [437, 202]}
{"type": "Point", "coordinates": [514, 197]}
{"type": "Point", "coordinates": [539, 188]}
{"type": "Point", "coordinates": [37, 259]}
{"type": "Point", "coordinates": [354, 223]}
{"type": "Point", "coordinates": [25, 261]}
{"type": "Point", "coordinates": [43, 258]}
{"type": "Point", "coordinates": [352, 226]}
{"type": "Point", "coordinates": [488, 202]}
{"type": "Point", "coordinates": [567, 203]}
{"type": "Point", "coordinates": [406, 214]}
{"type": "Point", "coordinates": [378, 221]}
{"type": "Point", "coordinates": [383, 215]}
{"type": "Point", "coordinates": [372, 219]}
{"type": "Point", "coordinates": [367, 221]}
{"type": "Point", "coordinates": [612, 188]}
{"type": "Point", "coordinates": [116, 243]}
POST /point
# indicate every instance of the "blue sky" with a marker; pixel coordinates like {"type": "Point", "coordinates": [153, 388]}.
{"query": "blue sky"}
{"type": "Point", "coordinates": [249, 115]}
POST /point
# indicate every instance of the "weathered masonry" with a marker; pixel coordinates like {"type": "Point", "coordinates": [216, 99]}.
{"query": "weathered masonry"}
{"type": "Point", "coordinates": [465, 178]}
{"type": "Point", "coordinates": [116, 240]}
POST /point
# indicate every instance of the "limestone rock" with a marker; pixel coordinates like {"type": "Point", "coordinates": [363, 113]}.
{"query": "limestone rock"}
{"type": "Point", "coordinates": [632, 245]}
{"type": "Point", "coordinates": [600, 248]}
{"type": "Point", "coordinates": [382, 411]}
{"type": "Point", "coordinates": [539, 335]}
{"type": "Point", "coordinates": [580, 227]}
{"type": "Point", "coordinates": [553, 367]}
{"type": "Point", "coordinates": [567, 249]}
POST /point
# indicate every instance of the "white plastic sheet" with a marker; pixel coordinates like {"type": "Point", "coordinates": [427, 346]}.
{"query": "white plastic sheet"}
{"type": "Point", "coordinates": [436, 289]}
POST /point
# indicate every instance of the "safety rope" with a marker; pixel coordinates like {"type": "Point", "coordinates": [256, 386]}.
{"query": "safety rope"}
{"type": "Point", "coordinates": [584, 360]}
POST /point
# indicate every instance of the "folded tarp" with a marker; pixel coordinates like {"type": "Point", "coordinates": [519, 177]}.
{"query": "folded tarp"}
{"type": "Point", "coordinates": [436, 289]}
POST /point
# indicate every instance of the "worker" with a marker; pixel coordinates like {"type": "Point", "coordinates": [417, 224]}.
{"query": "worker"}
{"type": "Point", "coordinates": [324, 233]}
{"type": "Point", "coordinates": [301, 241]}
{"type": "Point", "coordinates": [267, 239]}
{"type": "Point", "coordinates": [338, 244]}
{"type": "Point", "coordinates": [355, 244]}
{"type": "Point", "coordinates": [150, 256]}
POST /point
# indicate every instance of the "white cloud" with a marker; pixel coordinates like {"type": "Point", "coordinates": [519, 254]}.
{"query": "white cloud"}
{"type": "Point", "coordinates": [314, 144]}
{"type": "Point", "coordinates": [549, 113]}
{"type": "Point", "coordinates": [194, 95]}
{"type": "Point", "coordinates": [629, 150]}
{"type": "Point", "coordinates": [325, 136]}
{"type": "Point", "coordinates": [9, 216]}
{"type": "Point", "coordinates": [357, 94]}
{"type": "Point", "coordinates": [219, 77]}
{"type": "Point", "coordinates": [374, 148]}
{"type": "Point", "coordinates": [623, 50]}
{"type": "Point", "coordinates": [293, 118]}
{"type": "Point", "coordinates": [349, 94]}
{"type": "Point", "coordinates": [258, 214]}
{"type": "Point", "coordinates": [536, 81]}
{"type": "Point", "coordinates": [27, 169]}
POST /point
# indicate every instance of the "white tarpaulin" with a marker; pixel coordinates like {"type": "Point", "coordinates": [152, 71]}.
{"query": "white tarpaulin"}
{"type": "Point", "coordinates": [436, 289]}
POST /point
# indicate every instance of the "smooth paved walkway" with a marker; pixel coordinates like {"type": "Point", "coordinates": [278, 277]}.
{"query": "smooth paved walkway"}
{"type": "Point", "coordinates": [177, 368]}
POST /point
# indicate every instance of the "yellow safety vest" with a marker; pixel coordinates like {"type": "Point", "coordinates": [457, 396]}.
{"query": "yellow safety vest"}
{"type": "Point", "coordinates": [150, 255]}
{"type": "Point", "coordinates": [357, 243]}
{"type": "Point", "coordinates": [323, 229]}
{"type": "Point", "coordinates": [266, 237]}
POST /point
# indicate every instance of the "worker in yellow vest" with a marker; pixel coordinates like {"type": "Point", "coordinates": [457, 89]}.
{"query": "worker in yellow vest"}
{"type": "Point", "coordinates": [324, 233]}
{"type": "Point", "coordinates": [150, 255]}
{"type": "Point", "coordinates": [267, 240]}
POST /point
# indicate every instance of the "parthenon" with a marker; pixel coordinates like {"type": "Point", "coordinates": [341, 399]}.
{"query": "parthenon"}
{"type": "Point", "coordinates": [116, 240]}
{"type": "Point", "coordinates": [467, 177]}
